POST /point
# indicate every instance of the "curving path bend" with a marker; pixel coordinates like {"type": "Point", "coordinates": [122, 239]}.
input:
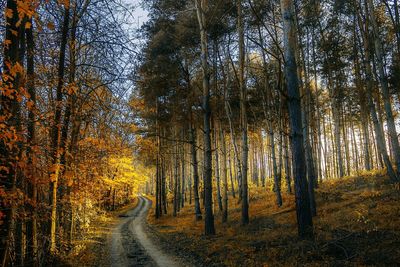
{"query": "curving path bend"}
{"type": "Point", "coordinates": [130, 246]}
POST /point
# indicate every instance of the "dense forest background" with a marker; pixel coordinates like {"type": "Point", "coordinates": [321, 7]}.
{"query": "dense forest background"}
{"type": "Point", "coordinates": [268, 94]}
{"type": "Point", "coordinates": [207, 102]}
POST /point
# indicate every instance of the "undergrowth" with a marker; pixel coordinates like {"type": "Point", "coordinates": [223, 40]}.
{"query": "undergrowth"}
{"type": "Point", "coordinates": [358, 224]}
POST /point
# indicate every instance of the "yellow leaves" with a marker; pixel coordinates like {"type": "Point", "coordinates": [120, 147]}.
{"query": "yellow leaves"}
{"type": "Point", "coordinates": [28, 25]}
{"type": "Point", "coordinates": [123, 170]}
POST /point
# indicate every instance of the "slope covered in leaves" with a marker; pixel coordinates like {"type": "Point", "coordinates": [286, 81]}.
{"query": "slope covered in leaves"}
{"type": "Point", "coordinates": [357, 224]}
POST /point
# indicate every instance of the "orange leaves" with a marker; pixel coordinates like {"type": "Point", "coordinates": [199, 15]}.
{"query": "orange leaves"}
{"type": "Point", "coordinates": [9, 93]}
{"type": "Point", "coordinates": [4, 169]}
{"type": "Point", "coordinates": [30, 105]}
{"type": "Point", "coordinates": [9, 134]}
{"type": "Point", "coordinates": [9, 13]}
{"type": "Point", "coordinates": [7, 43]}
{"type": "Point", "coordinates": [69, 177]}
{"type": "Point", "coordinates": [54, 177]}
{"type": "Point", "coordinates": [65, 3]}
{"type": "Point", "coordinates": [71, 89]}
{"type": "Point", "coordinates": [50, 26]}
{"type": "Point", "coordinates": [26, 8]}
{"type": "Point", "coordinates": [13, 69]}
{"type": "Point", "coordinates": [54, 172]}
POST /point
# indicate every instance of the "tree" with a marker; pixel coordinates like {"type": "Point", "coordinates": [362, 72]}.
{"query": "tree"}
{"type": "Point", "coordinates": [383, 79]}
{"type": "Point", "coordinates": [243, 116]}
{"type": "Point", "coordinates": [201, 7]}
{"type": "Point", "coordinates": [304, 216]}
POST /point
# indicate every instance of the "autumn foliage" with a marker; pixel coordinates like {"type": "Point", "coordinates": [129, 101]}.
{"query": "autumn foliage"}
{"type": "Point", "coordinates": [67, 151]}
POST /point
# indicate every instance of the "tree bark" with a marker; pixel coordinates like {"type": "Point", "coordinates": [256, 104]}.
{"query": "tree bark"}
{"type": "Point", "coordinates": [56, 131]}
{"type": "Point", "coordinates": [217, 169]}
{"type": "Point", "coordinates": [304, 216]}
{"type": "Point", "coordinates": [197, 210]}
{"type": "Point", "coordinates": [224, 176]}
{"type": "Point", "coordinates": [31, 225]}
{"type": "Point", "coordinates": [243, 116]}
{"type": "Point", "coordinates": [209, 229]}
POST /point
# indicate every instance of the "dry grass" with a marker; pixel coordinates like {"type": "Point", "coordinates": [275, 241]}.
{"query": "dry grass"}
{"type": "Point", "coordinates": [358, 223]}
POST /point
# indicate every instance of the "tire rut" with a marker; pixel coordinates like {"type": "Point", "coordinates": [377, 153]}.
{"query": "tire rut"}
{"type": "Point", "coordinates": [130, 245]}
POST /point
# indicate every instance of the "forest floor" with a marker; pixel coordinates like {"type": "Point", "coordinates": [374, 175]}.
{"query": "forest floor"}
{"type": "Point", "coordinates": [358, 224]}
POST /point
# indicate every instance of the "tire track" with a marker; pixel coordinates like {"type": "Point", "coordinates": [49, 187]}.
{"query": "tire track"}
{"type": "Point", "coordinates": [130, 245]}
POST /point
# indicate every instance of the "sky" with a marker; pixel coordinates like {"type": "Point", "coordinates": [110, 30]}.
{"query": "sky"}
{"type": "Point", "coordinates": [140, 15]}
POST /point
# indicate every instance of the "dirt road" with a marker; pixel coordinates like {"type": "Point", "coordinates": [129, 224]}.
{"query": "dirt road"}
{"type": "Point", "coordinates": [130, 245]}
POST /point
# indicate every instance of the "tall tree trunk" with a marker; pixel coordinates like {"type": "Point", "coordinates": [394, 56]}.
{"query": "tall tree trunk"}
{"type": "Point", "coordinates": [183, 172]}
{"type": "Point", "coordinates": [209, 229]}
{"type": "Point", "coordinates": [65, 194]}
{"type": "Point", "coordinates": [217, 170]}
{"type": "Point", "coordinates": [163, 188]}
{"type": "Point", "coordinates": [176, 175]}
{"type": "Point", "coordinates": [20, 234]}
{"type": "Point", "coordinates": [231, 174]}
{"type": "Point", "coordinates": [158, 165]}
{"type": "Point", "coordinates": [277, 184]}
{"type": "Point", "coordinates": [31, 225]}
{"type": "Point", "coordinates": [304, 215]}
{"type": "Point", "coordinates": [243, 115]}
{"type": "Point", "coordinates": [193, 137]}
{"type": "Point", "coordinates": [305, 92]}
{"type": "Point", "coordinates": [56, 131]}
{"type": "Point", "coordinates": [224, 175]}
{"type": "Point", "coordinates": [287, 166]}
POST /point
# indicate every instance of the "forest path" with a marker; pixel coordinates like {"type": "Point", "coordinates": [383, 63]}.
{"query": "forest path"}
{"type": "Point", "coordinates": [129, 244]}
